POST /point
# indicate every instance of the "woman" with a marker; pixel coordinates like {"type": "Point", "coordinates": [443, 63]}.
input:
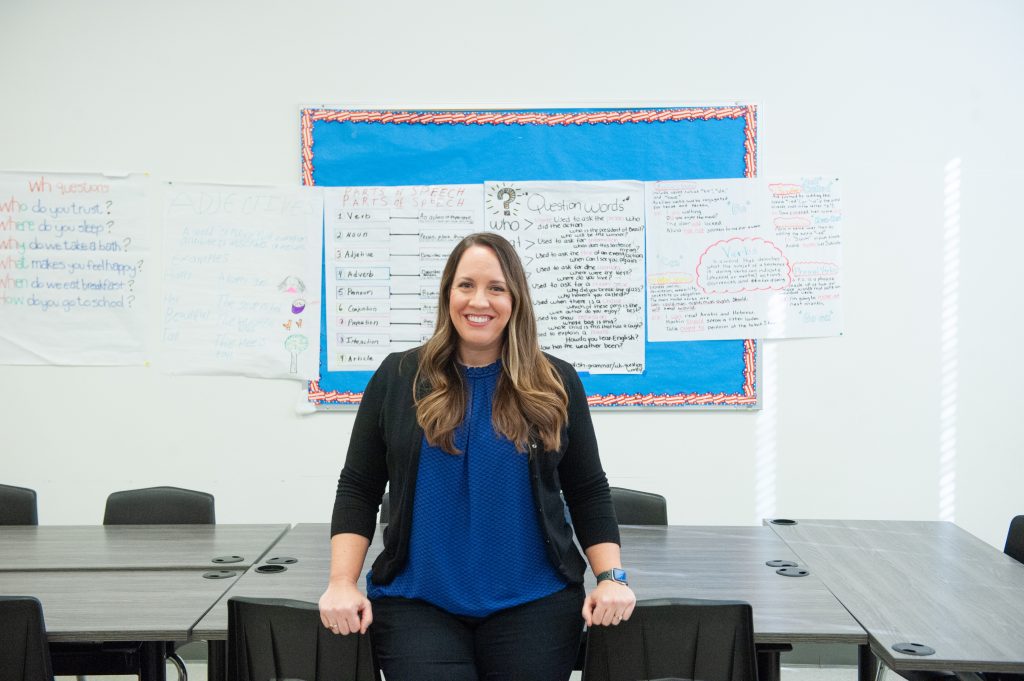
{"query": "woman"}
{"type": "Point", "coordinates": [478, 432]}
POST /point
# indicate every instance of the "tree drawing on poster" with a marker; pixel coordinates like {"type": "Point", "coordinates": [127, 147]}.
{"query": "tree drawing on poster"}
{"type": "Point", "coordinates": [359, 148]}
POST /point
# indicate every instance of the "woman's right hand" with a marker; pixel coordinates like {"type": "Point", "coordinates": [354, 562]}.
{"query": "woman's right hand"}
{"type": "Point", "coordinates": [344, 609]}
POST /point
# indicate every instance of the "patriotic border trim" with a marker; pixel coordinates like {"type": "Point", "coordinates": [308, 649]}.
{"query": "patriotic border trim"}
{"type": "Point", "coordinates": [747, 398]}
{"type": "Point", "coordinates": [318, 396]}
{"type": "Point", "coordinates": [747, 112]}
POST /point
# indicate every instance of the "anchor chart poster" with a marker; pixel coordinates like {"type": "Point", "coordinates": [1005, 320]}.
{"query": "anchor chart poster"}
{"type": "Point", "coordinates": [242, 280]}
{"type": "Point", "coordinates": [74, 266]}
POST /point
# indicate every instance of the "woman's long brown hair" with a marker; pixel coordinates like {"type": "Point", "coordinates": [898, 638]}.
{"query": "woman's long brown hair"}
{"type": "Point", "coordinates": [529, 398]}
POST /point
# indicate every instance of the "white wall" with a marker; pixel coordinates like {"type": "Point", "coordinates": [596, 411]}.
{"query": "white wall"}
{"type": "Point", "coordinates": [883, 94]}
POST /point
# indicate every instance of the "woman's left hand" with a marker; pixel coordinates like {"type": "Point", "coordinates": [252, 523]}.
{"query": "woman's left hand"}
{"type": "Point", "coordinates": [608, 604]}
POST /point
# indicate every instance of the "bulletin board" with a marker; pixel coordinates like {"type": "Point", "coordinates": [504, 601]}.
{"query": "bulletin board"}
{"type": "Point", "coordinates": [381, 148]}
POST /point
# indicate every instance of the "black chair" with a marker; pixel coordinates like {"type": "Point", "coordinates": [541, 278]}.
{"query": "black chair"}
{"type": "Point", "coordinates": [1015, 539]}
{"type": "Point", "coordinates": [633, 507]}
{"type": "Point", "coordinates": [160, 506]}
{"type": "Point", "coordinates": [18, 506]}
{"type": "Point", "coordinates": [147, 506]}
{"type": "Point", "coordinates": [284, 639]}
{"type": "Point", "coordinates": [24, 652]}
{"type": "Point", "coordinates": [676, 638]}
{"type": "Point", "coordinates": [385, 508]}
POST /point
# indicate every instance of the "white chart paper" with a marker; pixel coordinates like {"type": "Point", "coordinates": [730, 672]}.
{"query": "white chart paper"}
{"type": "Point", "coordinates": [242, 280]}
{"type": "Point", "coordinates": [730, 259]}
{"type": "Point", "coordinates": [74, 263]}
{"type": "Point", "coordinates": [582, 245]}
{"type": "Point", "coordinates": [385, 250]}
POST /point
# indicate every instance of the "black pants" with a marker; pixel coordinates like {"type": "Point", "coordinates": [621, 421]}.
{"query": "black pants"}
{"type": "Point", "coordinates": [536, 641]}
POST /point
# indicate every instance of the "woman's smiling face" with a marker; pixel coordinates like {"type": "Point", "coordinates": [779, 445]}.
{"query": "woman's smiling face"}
{"type": "Point", "coordinates": [480, 306]}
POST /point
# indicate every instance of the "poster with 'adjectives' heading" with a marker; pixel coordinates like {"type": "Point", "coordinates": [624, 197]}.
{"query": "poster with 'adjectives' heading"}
{"type": "Point", "coordinates": [242, 280]}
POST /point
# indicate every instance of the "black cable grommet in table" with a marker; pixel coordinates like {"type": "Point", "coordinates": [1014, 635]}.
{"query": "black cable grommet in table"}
{"type": "Point", "coordinates": [780, 563]}
{"type": "Point", "coordinates": [918, 649]}
{"type": "Point", "coordinates": [219, 574]}
{"type": "Point", "coordinates": [793, 572]}
{"type": "Point", "coordinates": [270, 569]}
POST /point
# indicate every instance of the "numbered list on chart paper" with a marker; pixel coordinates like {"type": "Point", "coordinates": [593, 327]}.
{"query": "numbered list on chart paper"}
{"type": "Point", "coordinates": [385, 248]}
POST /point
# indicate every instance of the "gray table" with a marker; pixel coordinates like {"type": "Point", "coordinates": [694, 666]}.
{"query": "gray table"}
{"type": "Point", "coordinates": [729, 563]}
{"type": "Point", "coordinates": [132, 547]}
{"type": "Point", "coordinates": [675, 561]}
{"type": "Point", "coordinates": [127, 582]}
{"type": "Point", "coordinates": [305, 580]}
{"type": "Point", "coordinates": [920, 582]}
{"type": "Point", "coordinates": [113, 605]}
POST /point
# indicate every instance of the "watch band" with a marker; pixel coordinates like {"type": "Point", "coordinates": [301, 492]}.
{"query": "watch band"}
{"type": "Point", "coordinates": [615, 575]}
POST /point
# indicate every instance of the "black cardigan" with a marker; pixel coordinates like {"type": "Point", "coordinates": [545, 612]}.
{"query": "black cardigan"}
{"type": "Point", "coordinates": [385, 445]}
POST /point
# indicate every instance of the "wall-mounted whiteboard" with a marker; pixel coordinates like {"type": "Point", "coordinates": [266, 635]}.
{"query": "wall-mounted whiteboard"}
{"type": "Point", "coordinates": [360, 148]}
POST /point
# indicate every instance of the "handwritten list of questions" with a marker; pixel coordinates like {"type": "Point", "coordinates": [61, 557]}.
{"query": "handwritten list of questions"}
{"type": "Point", "coordinates": [73, 269]}
{"type": "Point", "coordinates": [582, 245]}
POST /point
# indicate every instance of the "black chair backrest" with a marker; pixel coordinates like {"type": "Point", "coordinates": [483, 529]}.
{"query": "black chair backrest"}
{"type": "Point", "coordinates": [685, 638]}
{"type": "Point", "coordinates": [18, 506]}
{"type": "Point", "coordinates": [24, 652]}
{"type": "Point", "coordinates": [385, 508]}
{"type": "Point", "coordinates": [1015, 539]}
{"type": "Point", "coordinates": [275, 638]}
{"type": "Point", "coordinates": [159, 506]}
{"type": "Point", "coordinates": [633, 507]}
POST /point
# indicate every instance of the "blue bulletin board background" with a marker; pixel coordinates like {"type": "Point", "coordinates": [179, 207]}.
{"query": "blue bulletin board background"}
{"type": "Point", "coordinates": [366, 148]}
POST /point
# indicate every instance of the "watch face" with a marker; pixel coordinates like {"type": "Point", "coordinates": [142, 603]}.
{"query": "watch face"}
{"type": "Point", "coordinates": [618, 574]}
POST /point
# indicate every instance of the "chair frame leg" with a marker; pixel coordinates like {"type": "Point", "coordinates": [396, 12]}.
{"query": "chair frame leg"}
{"type": "Point", "coordinates": [216, 660]}
{"type": "Point", "coordinates": [868, 666]}
{"type": "Point", "coordinates": [179, 664]}
{"type": "Point", "coordinates": [153, 667]}
{"type": "Point", "coordinates": [769, 665]}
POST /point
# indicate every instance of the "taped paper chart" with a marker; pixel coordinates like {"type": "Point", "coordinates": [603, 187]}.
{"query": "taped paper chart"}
{"type": "Point", "coordinates": [807, 216]}
{"type": "Point", "coordinates": [242, 280]}
{"type": "Point", "coordinates": [386, 249]}
{"type": "Point", "coordinates": [74, 252]}
{"type": "Point", "coordinates": [582, 245]}
{"type": "Point", "coordinates": [738, 258]}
